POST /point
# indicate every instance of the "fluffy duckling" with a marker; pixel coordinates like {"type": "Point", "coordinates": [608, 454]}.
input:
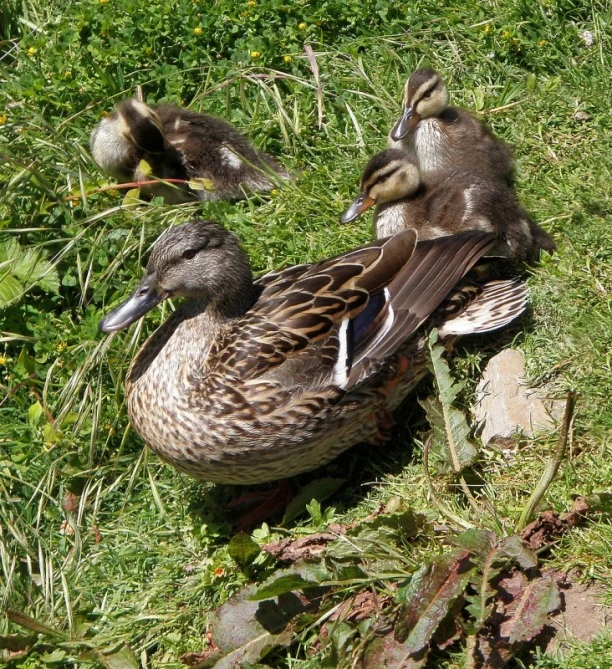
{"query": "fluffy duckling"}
{"type": "Point", "coordinates": [444, 137]}
{"type": "Point", "coordinates": [180, 144]}
{"type": "Point", "coordinates": [457, 202]}
{"type": "Point", "coordinates": [252, 381]}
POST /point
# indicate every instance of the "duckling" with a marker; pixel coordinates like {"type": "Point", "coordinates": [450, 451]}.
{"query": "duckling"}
{"type": "Point", "coordinates": [444, 137]}
{"type": "Point", "coordinates": [456, 202]}
{"type": "Point", "coordinates": [249, 381]}
{"type": "Point", "coordinates": [184, 145]}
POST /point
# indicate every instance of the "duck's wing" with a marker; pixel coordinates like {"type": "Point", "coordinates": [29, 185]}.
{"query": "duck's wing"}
{"type": "Point", "coordinates": [336, 322]}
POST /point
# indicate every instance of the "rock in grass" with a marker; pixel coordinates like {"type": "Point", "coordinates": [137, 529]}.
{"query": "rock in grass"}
{"type": "Point", "coordinates": [505, 405]}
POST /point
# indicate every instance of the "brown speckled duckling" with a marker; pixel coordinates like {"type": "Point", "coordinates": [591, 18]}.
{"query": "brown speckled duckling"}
{"type": "Point", "coordinates": [457, 202]}
{"type": "Point", "coordinates": [180, 144]}
{"type": "Point", "coordinates": [252, 381]}
{"type": "Point", "coordinates": [446, 138]}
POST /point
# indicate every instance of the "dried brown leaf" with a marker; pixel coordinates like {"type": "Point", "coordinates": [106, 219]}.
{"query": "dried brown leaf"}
{"type": "Point", "coordinates": [305, 548]}
{"type": "Point", "coordinates": [550, 525]}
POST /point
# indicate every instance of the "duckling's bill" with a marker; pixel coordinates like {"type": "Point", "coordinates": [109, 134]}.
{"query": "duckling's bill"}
{"type": "Point", "coordinates": [360, 204]}
{"type": "Point", "coordinates": [148, 295]}
{"type": "Point", "coordinates": [406, 124]}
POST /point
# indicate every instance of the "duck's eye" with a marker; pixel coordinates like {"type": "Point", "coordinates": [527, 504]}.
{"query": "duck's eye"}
{"type": "Point", "coordinates": [427, 95]}
{"type": "Point", "coordinates": [189, 254]}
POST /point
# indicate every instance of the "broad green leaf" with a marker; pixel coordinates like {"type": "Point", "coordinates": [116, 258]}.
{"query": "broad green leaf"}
{"type": "Point", "coordinates": [20, 268]}
{"type": "Point", "coordinates": [119, 657]}
{"type": "Point", "coordinates": [514, 548]}
{"type": "Point", "coordinates": [283, 584]}
{"type": "Point", "coordinates": [54, 656]}
{"type": "Point", "coordinates": [31, 267]}
{"type": "Point", "coordinates": [34, 413]}
{"type": "Point", "coordinates": [242, 548]}
{"type": "Point", "coordinates": [244, 630]}
{"type": "Point", "coordinates": [404, 524]}
{"type": "Point", "coordinates": [10, 289]}
{"type": "Point", "coordinates": [477, 541]}
{"type": "Point", "coordinates": [298, 576]}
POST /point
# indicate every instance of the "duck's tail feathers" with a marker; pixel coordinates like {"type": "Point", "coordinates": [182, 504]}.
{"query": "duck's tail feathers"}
{"type": "Point", "coordinates": [499, 303]}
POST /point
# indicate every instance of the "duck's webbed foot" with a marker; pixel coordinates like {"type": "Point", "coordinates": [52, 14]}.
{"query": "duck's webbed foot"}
{"type": "Point", "coordinates": [270, 501]}
{"type": "Point", "coordinates": [384, 427]}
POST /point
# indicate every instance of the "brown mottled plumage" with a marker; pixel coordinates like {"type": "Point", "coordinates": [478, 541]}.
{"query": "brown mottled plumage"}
{"type": "Point", "coordinates": [444, 137]}
{"type": "Point", "coordinates": [249, 382]}
{"type": "Point", "coordinates": [455, 202]}
{"type": "Point", "coordinates": [180, 144]}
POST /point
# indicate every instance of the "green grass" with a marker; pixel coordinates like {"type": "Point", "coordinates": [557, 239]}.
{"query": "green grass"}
{"type": "Point", "coordinates": [162, 563]}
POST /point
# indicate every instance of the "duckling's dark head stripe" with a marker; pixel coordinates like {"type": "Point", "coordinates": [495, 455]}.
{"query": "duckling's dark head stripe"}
{"type": "Point", "coordinates": [380, 161]}
{"type": "Point", "coordinates": [420, 82]}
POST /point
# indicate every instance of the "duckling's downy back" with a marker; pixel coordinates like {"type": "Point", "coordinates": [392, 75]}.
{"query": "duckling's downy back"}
{"type": "Point", "coordinates": [181, 146]}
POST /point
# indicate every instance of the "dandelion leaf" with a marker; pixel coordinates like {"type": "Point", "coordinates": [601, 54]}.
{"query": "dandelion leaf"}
{"type": "Point", "coordinates": [428, 598]}
{"type": "Point", "coordinates": [529, 611]}
{"type": "Point", "coordinates": [450, 430]}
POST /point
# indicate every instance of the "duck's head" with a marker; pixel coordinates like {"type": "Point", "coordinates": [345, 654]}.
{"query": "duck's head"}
{"type": "Point", "coordinates": [199, 260]}
{"type": "Point", "coordinates": [389, 176]}
{"type": "Point", "coordinates": [120, 139]}
{"type": "Point", "coordinates": [425, 95]}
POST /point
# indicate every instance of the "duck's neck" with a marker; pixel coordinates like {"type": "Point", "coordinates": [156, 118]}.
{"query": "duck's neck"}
{"type": "Point", "coordinates": [240, 295]}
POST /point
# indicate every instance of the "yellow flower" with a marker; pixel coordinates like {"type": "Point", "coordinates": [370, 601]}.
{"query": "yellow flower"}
{"type": "Point", "coordinates": [32, 50]}
{"type": "Point", "coordinates": [505, 34]}
{"type": "Point", "coordinates": [61, 346]}
{"type": "Point", "coordinates": [487, 28]}
{"type": "Point", "coordinates": [3, 119]}
{"type": "Point", "coordinates": [3, 360]}
{"type": "Point", "coordinates": [287, 59]}
{"type": "Point", "coordinates": [302, 26]}
{"type": "Point", "coordinates": [68, 74]}
{"type": "Point", "coordinates": [103, 2]}
{"type": "Point", "coordinates": [542, 42]}
{"type": "Point", "coordinates": [255, 54]}
{"type": "Point", "coordinates": [274, 192]}
{"type": "Point", "coordinates": [197, 31]}
{"type": "Point", "coordinates": [252, 3]}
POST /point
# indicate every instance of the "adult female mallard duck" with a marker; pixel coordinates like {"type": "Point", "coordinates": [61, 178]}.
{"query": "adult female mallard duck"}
{"type": "Point", "coordinates": [456, 202]}
{"type": "Point", "coordinates": [180, 144]}
{"type": "Point", "coordinates": [444, 137]}
{"type": "Point", "coordinates": [252, 381]}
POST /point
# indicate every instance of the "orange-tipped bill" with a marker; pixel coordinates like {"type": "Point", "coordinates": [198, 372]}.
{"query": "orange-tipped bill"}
{"type": "Point", "coordinates": [406, 124]}
{"type": "Point", "coordinates": [358, 206]}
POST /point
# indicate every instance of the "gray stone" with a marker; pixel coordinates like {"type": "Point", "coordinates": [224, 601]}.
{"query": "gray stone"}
{"type": "Point", "coordinates": [505, 405]}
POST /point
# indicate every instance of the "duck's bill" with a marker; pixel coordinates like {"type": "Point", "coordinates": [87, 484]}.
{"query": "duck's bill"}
{"type": "Point", "coordinates": [145, 297]}
{"type": "Point", "coordinates": [405, 125]}
{"type": "Point", "coordinates": [358, 206]}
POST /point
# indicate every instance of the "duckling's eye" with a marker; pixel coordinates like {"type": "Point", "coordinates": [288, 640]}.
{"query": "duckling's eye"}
{"type": "Point", "coordinates": [427, 95]}
{"type": "Point", "coordinates": [189, 254]}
